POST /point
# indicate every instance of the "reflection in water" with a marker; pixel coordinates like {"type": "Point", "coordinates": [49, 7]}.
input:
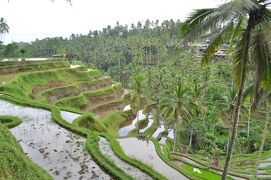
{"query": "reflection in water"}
{"type": "Point", "coordinates": [263, 165]}
{"type": "Point", "coordinates": [28, 59]}
{"type": "Point", "coordinates": [150, 118]}
{"type": "Point", "coordinates": [69, 116]}
{"type": "Point", "coordinates": [163, 140]}
{"type": "Point", "coordinates": [127, 108]}
{"type": "Point", "coordinates": [158, 131]}
{"type": "Point", "coordinates": [37, 59]}
{"type": "Point", "coordinates": [125, 130]}
{"type": "Point", "coordinates": [129, 169]}
{"type": "Point", "coordinates": [55, 149]}
{"type": "Point", "coordinates": [170, 134]}
{"type": "Point", "coordinates": [74, 66]}
{"type": "Point", "coordinates": [145, 151]}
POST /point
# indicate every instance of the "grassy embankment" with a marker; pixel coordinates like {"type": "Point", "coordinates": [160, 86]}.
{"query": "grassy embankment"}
{"type": "Point", "coordinates": [82, 100]}
{"type": "Point", "coordinates": [9, 70]}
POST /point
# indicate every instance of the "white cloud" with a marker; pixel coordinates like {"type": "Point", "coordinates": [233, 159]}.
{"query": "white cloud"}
{"type": "Point", "coordinates": [31, 19]}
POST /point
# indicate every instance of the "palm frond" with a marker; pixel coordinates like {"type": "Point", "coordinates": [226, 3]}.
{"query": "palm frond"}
{"type": "Point", "coordinates": [239, 56]}
{"type": "Point", "coordinates": [206, 20]}
{"type": "Point", "coordinates": [221, 38]}
{"type": "Point", "coordinates": [248, 92]}
{"type": "Point", "coordinates": [235, 33]}
{"type": "Point", "coordinates": [261, 56]}
{"type": "Point", "coordinates": [195, 19]}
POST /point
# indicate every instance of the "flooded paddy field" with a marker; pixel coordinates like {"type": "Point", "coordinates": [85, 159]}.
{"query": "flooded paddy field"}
{"type": "Point", "coordinates": [53, 148]}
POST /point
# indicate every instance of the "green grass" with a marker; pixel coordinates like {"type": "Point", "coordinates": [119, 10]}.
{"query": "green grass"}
{"type": "Point", "coordinates": [71, 89]}
{"type": "Point", "coordinates": [80, 101]}
{"type": "Point", "coordinates": [14, 164]}
{"type": "Point", "coordinates": [114, 121]}
{"type": "Point", "coordinates": [10, 121]}
{"type": "Point", "coordinates": [23, 84]}
{"type": "Point", "coordinates": [89, 122]}
{"type": "Point", "coordinates": [207, 175]}
{"type": "Point", "coordinates": [23, 66]}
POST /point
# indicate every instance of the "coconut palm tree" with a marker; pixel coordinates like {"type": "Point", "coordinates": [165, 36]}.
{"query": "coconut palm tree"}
{"type": "Point", "coordinates": [241, 21]}
{"type": "Point", "coordinates": [4, 28]}
{"type": "Point", "coordinates": [136, 96]}
{"type": "Point", "coordinates": [198, 106]}
{"type": "Point", "coordinates": [175, 109]}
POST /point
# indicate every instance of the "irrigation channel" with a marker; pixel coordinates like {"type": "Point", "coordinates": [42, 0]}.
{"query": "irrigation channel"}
{"type": "Point", "coordinates": [53, 148]}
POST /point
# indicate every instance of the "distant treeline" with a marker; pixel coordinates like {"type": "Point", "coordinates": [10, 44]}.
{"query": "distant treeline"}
{"type": "Point", "coordinates": [141, 43]}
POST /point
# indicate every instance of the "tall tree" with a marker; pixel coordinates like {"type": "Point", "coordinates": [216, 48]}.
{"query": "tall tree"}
{"type": "Point", "coordinates": [242, 21]}
{"type": "Point", "coordinates": [136, 96]}
{"type": "Point", "coordinates": [4, 28]}
{"type": "Point", "coordinates": [175, 109]}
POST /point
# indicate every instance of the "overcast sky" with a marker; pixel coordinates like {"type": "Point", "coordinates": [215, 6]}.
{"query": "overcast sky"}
{"type": "Point", "coordinates": [32, 19]}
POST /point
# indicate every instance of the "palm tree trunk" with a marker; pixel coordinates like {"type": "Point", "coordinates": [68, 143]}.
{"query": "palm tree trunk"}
{"type": "Point", "coordinates": [230, 128]}
{"type": "Point", "coordinates": [249, 118]}
{"type": "Point", "coordinates": [175, 138]}
{"type": "Point", "coordinates": [263, 138]}
{"type": "Point", "coordinates": [176, 133]}
{"type": "Point", "coordinates": [246, 39]}
{"type": "Point", "coordinates": [191, 138]}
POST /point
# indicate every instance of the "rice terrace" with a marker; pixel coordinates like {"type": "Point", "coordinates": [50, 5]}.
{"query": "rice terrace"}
{"type": "Point", "coordinates": [177, 99]}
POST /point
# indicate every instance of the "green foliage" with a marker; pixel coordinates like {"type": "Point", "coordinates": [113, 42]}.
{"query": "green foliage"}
{"type": "Point", "coordinates": [114, 121]}
{"type": "Point", "coordinates": [10, 121]}
{"type": "Point", "coordinates": [82, 100]}
{"type": "Point", "coordinates": [23, 84]}
{"type": "Point", "coordinates": [89, 122]}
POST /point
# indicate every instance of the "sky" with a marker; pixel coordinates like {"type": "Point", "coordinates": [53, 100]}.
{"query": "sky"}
{"type": "Point", "coordinates": [36, 19]}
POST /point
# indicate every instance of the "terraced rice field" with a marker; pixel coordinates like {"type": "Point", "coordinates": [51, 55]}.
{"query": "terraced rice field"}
{"type": "Point", "coordinates": [86, 106]}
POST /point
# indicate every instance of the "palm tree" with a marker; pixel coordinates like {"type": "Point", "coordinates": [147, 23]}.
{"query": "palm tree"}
{"type": "Point", "coordinates": [175, 109]}
{"type": "Point", "coordinates": [136, 96]}
{"type": "Point", "coordinates": [4, 28]}
{"type": "Point", "coordinates": [227, 104]}
{"type": "Point", "coordinates": [241, 21]}
{"type": "Point", "coordinates": [198, 107]}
